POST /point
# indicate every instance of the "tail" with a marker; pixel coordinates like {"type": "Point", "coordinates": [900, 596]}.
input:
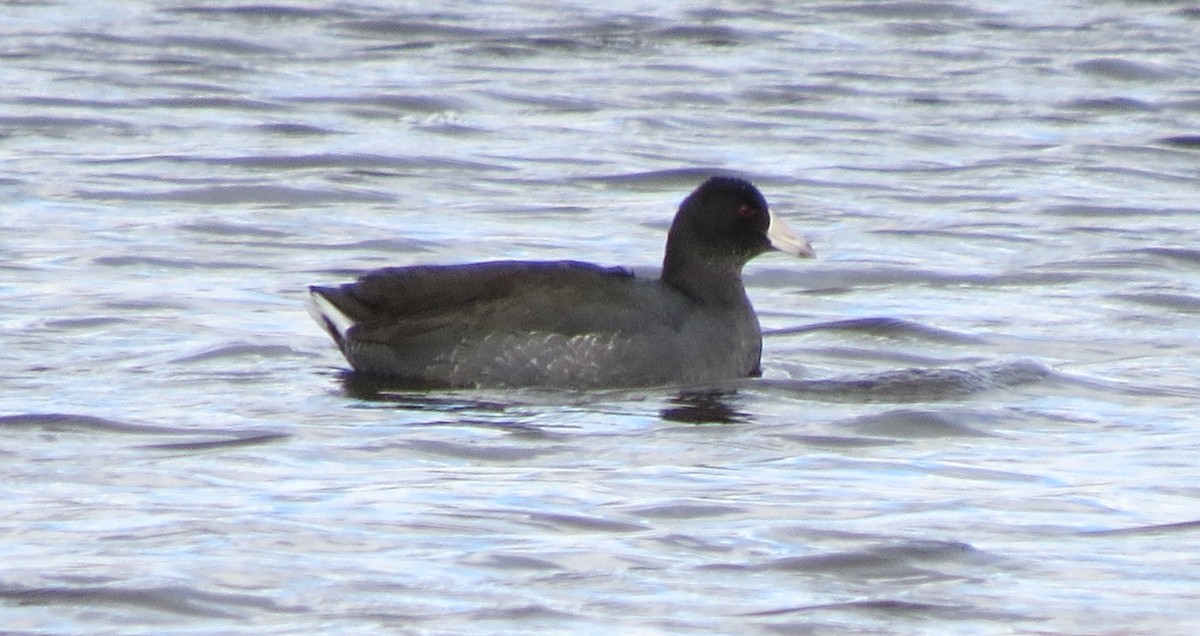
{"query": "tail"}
{"type": "Point", "coordinates": [323, 307]}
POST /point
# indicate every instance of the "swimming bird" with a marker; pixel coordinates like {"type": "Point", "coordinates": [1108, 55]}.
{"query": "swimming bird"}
{"type": "Point", "coordinates": [567, 323]}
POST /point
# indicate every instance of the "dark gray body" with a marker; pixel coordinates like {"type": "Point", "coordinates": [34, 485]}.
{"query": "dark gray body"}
{"type": "Point", "coordinates": [562, 324]}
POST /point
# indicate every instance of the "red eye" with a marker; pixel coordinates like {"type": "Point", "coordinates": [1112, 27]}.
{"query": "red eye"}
{"type": "Point", "coordinates": [747, 211]}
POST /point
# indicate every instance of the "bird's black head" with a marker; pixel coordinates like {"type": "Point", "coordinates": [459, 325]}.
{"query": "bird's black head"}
{"type": "Point", "coordinates": [724, 215]}
{"type": "Point", "coordinates": [719, 227]}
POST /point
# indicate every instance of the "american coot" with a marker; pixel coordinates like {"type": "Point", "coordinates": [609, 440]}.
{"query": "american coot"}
{"type": "Point", "coordinates": [571, 324]}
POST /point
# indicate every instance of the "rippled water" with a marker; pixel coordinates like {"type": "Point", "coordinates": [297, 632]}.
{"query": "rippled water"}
{"type": "Point", "coordinates": [978, 413]}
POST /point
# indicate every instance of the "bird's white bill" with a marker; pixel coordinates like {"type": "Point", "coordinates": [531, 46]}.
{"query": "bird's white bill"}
{"type": "Point", "coordinates": [785, 240]}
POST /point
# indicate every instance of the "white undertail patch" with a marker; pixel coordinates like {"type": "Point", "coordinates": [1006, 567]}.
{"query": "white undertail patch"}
{"type": "Point", "coordinates": [329, 316]}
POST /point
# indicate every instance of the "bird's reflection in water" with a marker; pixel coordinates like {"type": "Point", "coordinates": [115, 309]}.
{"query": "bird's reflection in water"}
{"type": "Point", "coordinates": [713, 406]}
{"type": "Point", "coordinates": [379, 388]}
{"type": "Point", "coordinates": [407, 394]}
{"type": "Point", "coordinates": [707, 406]}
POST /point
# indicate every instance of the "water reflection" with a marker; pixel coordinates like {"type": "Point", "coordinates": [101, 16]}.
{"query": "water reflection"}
{"type": "Point", "coordinates": [378, 388]}
{"type": "Point", "coordinates": [409, 394]}
{"type": "Point", "coordinates": [695, 406]}
{"type": "Point", "coordinates": [705, 407]}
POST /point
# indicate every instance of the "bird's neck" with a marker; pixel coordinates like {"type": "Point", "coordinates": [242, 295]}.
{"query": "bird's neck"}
{"type": "Point", "coordinates": [709, 279]}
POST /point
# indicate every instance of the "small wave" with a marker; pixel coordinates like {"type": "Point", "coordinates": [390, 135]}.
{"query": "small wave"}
{"type": "Point", "coordinates": [828, 278]}
{"type": "Point", "coordinates": [551, 103]}
{"type": "Point", "coordinates": [676, 177]}
{"type": "Point", "coordinates": [43, 102]}
{"type": "Point", "coordinates": [160, 262]}
{"type": "Point", "coordinates": [1111, 104]}
{"type": "Point", "coordinates": [414, 103]}
{"type": "Point", "coordinates": [1120, 69]}
{"type": "Point", "coordinates": [71, 422]}
{"type": "Point", "coordinates": [241, 350]}
{"type": "Point", "coordinates": [178, 600]}
{"type": "Point", "coordinates": [1007, 234]}
{"type": "Point", "coordinates": [397, 27]}
{"type": "Point", "coordinates": [836, 442]}
{"type": "Point", "coordinates": [58, 422]}
{"type": "Point", "coordinates": [243, 194]}
{"type": "Point", "coordinates": [574, 523]}
{"type": "Point", "coordinates": [906, 9]}
{"type": "Point", "coordinates": [226, 229]}
{"type": "Point", "coordinates": [1174, 255]}
{"type": "Point", "coordinates": [896, 609]}
{"type": "Point", "coordinates": [710, 35]}
{"type": "Point", "coordinates": [883, 326]}
{"type": "Point", "coordinates": [517, 614]}
{"type": "Point", "coordinates": [330, 160]}
{"type": "Point", "coordinates": [1090, 210]}
{"type": "Point", "coordinates": [1189, 142]}
{"type": "Point", "coordinates": [294, 130]}
{"type": "Point", "coordinates": [1154, 529]}
{"type": "Point", "coordinates": [686, 510]}
{"type": "Point", "coordinates": [485, 452]}
{"type": "Point", "coordinates": [49, 124]}
{"type": "Point", "coordinates": [273, 12]}
{"type": "Point", "coordinates": [82, 323]}
{"type": "Point", "coordinates": [390, 245]}
{"type": "Point", "coordinates": [234, 442]}
{"type": "Point", "coordinates": [917, 385]}
{"type": "Point", "coordinates": [1174, 302]}
{"type": "Point", "coordinates": [908, 423]}
{"type": "Point", "coordinates": [229, 103]}
{"type": "Point", "coordinates": [193, 43]}
{"type": "Point", "coordinates": [512, 562]}
{"type": "Point", "coordinates": [524, 45]}
{"type": "Point", "coordinates": [902, 560]}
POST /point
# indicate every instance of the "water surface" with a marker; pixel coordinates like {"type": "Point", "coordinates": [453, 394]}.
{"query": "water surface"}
{"type": "Point", "coordinates": [978, 407]}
